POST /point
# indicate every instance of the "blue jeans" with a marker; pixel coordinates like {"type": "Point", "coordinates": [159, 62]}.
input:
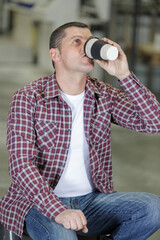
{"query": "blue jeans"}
{"type": "Point", "coordinates": [127, 216]}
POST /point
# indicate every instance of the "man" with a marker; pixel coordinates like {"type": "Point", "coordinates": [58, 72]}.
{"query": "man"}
{"type": "Point", "coordinates": [60, 154]}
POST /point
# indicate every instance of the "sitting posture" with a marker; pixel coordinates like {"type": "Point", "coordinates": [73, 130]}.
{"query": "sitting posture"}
{"type": "Point", "coordinates": [59, 143]}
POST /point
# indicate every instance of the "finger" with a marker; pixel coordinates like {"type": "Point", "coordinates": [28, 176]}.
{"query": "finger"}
{"type": "Point", "coordinates": [84, 222]}
{"type": "Point", "coordinates": [80, 220]}
{"type": "Point", "coordinates": [76, 222]}
{"type": "Point", "coordinates": [83, 219]}
{"type": "Point", "coordinates": [109, 41]}
{"type": "Point", "coordinates": [102, 63]}
{"type": "Point", "coordinates": [66, 224]}
{"type": "Point", "coordinates": [85, 229]}
{"type": "Point", "coordinates": [75, 225]}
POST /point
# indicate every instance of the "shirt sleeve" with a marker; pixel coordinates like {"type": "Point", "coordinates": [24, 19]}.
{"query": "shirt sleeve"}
{"type": "Point", "coordinates": [21, 144]}
{"type": "Point", "coordinates": [137, 108]}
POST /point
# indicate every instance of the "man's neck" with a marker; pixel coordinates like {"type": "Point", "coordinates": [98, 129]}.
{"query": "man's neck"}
{"type": "Point", "coordinates": [71, 84]}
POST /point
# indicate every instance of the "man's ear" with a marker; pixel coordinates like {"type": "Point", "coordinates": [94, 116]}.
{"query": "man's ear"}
{"type": "Point", "coordinates": [55, 54]}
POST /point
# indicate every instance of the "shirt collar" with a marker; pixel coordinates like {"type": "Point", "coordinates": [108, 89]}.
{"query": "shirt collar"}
{"type": "Point", "coordinates": [92, 87]}
{"type": "Point", "coordinates": [52, 89]}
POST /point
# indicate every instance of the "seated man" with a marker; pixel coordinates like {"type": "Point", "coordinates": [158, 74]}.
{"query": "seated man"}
{"type": "Point", "coordinates": [59, 146]}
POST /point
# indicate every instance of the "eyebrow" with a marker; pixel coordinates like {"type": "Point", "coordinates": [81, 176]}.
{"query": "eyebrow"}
{"type": "Point", "coordinates": [77, 36]}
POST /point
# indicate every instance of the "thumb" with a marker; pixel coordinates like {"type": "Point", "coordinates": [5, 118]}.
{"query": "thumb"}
{"type": "Point", "coordinates": [85, 229]}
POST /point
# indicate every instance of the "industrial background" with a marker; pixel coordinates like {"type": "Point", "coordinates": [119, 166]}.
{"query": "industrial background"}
{"type": "Point", "coordinates": [25, 27]}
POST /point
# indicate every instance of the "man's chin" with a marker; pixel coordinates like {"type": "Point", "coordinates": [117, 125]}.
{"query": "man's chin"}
{"type": "Point", "coordinates": [88, 70]}
{"type": "Point", "coordinates": [91, 65]}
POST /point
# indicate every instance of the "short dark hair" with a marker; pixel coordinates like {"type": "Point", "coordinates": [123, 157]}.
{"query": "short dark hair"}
{"type": "Point", "coordinates": [59, 33]}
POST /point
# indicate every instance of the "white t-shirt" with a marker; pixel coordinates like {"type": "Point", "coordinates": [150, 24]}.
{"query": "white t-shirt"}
{"type": "Point", "coordinates": [76, 178]}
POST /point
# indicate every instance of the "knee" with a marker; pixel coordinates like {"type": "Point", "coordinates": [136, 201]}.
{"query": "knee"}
{"type": "Point", "coordinates": [67, 235]}
{"type": "Point", "coordinates": [151, 210]}
{"type": "Point", "coordinates": [59, 232]}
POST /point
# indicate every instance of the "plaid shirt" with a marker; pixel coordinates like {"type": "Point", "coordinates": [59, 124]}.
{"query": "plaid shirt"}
{"type": "Point", "coordinates": [38, 140]}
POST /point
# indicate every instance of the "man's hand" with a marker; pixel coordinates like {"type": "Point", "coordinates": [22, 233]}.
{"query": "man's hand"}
{"type": "Point", "coordinates": [119, 67]}
{"type": "Point", "coordinates": [72, 219]}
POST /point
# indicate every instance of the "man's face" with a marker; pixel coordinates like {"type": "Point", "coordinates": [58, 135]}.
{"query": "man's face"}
{"type": "Point", "coordinates": [72, 56]}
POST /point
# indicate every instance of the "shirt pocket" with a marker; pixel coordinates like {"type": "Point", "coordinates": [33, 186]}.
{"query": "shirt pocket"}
{"type": "Point", "coordinates": [100, 128]}
{"type": "Point", "coordinates": [46, 134]}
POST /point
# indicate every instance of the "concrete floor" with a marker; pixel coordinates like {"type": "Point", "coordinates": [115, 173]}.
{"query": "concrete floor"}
{"type": "Point", "coordinates": [136, 157]}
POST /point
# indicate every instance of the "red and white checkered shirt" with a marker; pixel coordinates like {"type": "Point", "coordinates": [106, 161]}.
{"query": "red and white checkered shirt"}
{"type": "Point", "coordinates": [38, 139]}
